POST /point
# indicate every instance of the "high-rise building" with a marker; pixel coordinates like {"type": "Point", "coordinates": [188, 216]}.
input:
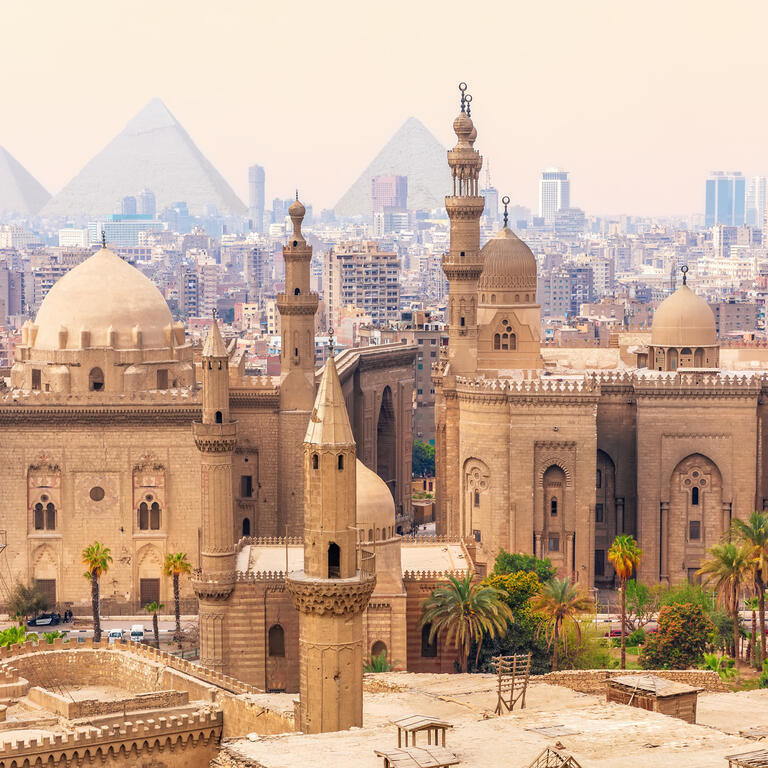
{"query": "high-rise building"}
{"type": "Point", "coordinates": [554, 193]}
{"type": "Point", "coordinates": [756, 201]}
{"type": "Point", "coordinates": [256, 185]}
{"type": "Point", "coordinates": [146, 204]}
{"type": "Point", "coordinates": [389, 192]}
{"type": "Point", "coordinates": [725, 201]}
{"type": "Point", "coordinates": [491, 210]}
{"type": "Point", "coordinates": [128, 206]}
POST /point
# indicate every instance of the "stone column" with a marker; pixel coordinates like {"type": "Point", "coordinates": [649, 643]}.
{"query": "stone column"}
{"type": "Point", "coordinates": [620, 522]}
{"type": "Point", "coordinates": [664, 541]}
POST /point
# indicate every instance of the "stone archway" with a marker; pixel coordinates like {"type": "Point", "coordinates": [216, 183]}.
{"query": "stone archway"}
{"type": "Point", "coordinates": [607, 515]}
{"type": "Point", "coordinates": [45, 572]}
{"type": "Point", "coordinates": [386, 443]}
{"type": "Point", "coordinates": [149, 563]}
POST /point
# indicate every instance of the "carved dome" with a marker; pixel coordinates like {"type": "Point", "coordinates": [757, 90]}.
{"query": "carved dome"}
{"type": "Point", "coordinates": [375, 505]}
{"type": "Point", "coordinates": [683, 320]}
{"type": "Point", "coordinates": [509, 264]}
{"type": "Point", "coordinates": [103, 295]}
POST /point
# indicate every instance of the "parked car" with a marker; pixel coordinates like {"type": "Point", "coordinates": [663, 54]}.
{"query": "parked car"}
{"type": "Point", "coordinates": [137, 633]}
{"type": "Point", "coordinates": [45, 620]}
{"type": "Point", "coordinates": [115, 635]}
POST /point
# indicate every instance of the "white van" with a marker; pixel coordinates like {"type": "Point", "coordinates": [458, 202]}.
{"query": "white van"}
{"type": "Point", "coordinates": [137, 633]}
{"type": "Point", "coordinates": [115, 635]}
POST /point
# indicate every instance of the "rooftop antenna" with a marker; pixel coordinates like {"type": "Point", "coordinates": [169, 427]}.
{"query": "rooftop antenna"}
{"type": "Point", "coordinates": [330, 342]}
{"type": "Point", "coordinates": [505, 201]}
{"type": "Point", "coordinates": [684, 270]}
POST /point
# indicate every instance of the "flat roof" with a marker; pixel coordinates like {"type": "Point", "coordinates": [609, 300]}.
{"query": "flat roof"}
{"type": "Point", "coordinates": [658, 686]}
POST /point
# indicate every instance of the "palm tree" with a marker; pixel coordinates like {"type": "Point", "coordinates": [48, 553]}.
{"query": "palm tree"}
{"type": "Point", "coordinates": [96, 558]}
{"type": "Point", "coordinates": [727, 568]}
{"type": "Point", "coordinates": [559, 602]}
{"type": "Point", "coordinates": [154, 608]}
{"type": "Point", "coordinates": [754, 534]}
{"type": "Point", "coordinates": [751, 604]}
{"type": "Point", "coordinates": [624, 555]}
{"type": "Point", "coordinates": [464, 611]}
{"type": "Point", "coordinates": [175, 565]}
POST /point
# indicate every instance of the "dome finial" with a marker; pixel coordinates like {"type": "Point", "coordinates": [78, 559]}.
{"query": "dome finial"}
{"type": "Point", "coordinates": [213, 312]}
{"type": "Point", "coordinates": [103, 237]}
{"type": "Point", "coordinates": [463, 88]}
{"type": "Point", "coordinates": [468, 101]}
{"type": "Point", "coordinates": [684, 270]}
{"type": "Point", "coordinates": [505, 201]}
{"type": "Point", "coordinates": [330, 342]}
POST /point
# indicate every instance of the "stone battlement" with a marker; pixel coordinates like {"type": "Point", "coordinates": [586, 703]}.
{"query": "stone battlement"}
{"type": "Point", "coordinates": [432, 575]}
{"type": "Point", "coordinates": [260, 541]}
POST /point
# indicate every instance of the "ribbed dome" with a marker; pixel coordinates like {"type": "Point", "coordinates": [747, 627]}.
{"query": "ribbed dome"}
{"type": "Point", "coordinates": [375, 505]}
{"type": "Point", "coordinates": [103, 294]}
{"type": "Point", "coordinates": [508, 263]}
{"type": "Point", "coordinates": [683, 320]}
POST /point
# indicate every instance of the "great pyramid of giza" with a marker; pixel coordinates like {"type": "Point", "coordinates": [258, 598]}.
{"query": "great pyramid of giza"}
{"type": "Point", "coordinates": [20, 192]}
{"type": "Point", "coordinates": [153, 151]}
{"type": "Point", "coordinates": [413, 152]}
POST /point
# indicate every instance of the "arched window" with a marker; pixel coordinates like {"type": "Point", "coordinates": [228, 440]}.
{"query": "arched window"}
{"type": "Point", "coordinates": [505, 341]}
{"type": "Point", "coordinates": [143, 516]}
{"type": "Point", "coordinates": [154, 516]}
{"type": "Point", "coordinates": [39, 517]}
{"type": "Point", "coordinates": [315, 461]}
{"type": "Point", "coordinates": [379, 648]}
{"type": "Point", "coordinates": [497, 341]}
{"type": "Point", "coordinates": [553, 507]}
{"type": "Point", "coordinates": [96, 379]}
{"type": "Point", "coordinates": [334, 561]}
{"type": "Point", "coordinates": [695, 496]}
{"type": "Point", "coordinates": [341, 461]}
{"type": "Point", "coordinates": [276, 640]}
{"type": "Point", "coordinates": [517, 298]}
{"type": "Point", "coordinates": [45, 517]}
{"type": "Point", "coordinates": [246, 526]}
{"type": "Point", "coordinates": [296, 291]}
{"type": "Point", "coordinates": [512, 341]}
{"type": "Point", "coordinates": [50, 517]}
{"type": "Point", "coordinates": [477, 498]}
{"type": "Point", "coordinates": [428, 647]}
{"type": "Point", "coordinates": [219, 417]}
{"type": "Point", "coordinates": [370, 534]}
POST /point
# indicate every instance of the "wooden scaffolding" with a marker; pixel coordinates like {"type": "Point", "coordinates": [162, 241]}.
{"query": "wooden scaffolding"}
{"type": "Point", "coordinates": [552, 758]}
{"type": "Point", "coordinates": [513, 673]}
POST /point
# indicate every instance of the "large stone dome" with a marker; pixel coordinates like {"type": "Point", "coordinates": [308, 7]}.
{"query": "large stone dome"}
{"type": "Point", "coordinates": [683, 320]}
{"type": "Point", "coordinates": [509, 264]}
{"type": "Point", "coordinates": [375, 505]}
{"type": "Point", "coordinates": [103, 295]}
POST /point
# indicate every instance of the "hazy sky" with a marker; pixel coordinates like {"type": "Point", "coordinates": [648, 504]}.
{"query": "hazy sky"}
{"type": "Point", "coordinates": [639, 100]}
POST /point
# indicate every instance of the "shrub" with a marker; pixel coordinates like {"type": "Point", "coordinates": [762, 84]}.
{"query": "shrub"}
{"type": "Point", "coordinates": [636, 637]}
{"type": "Point", "coordinates": [723, 665]}
{"type": "Point", "coordinates": [511, 562]}
{"type": "Point", "coordinates": [762, 681]}
{"type": "Point", "coordinates": [684, 630]}
{"type": "Point", "coordinates": [377, 663]}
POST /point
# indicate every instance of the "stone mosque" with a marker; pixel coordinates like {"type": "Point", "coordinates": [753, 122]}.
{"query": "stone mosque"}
{"type": "Point", "coordinates": [555, 451]}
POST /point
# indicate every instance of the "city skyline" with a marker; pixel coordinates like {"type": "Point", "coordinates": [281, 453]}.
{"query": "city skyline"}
{"type": "Point", "coordinates": [646, 114]}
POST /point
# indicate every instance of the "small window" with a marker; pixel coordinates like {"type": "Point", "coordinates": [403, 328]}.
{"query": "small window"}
{"type": "Point", "coordinates": [599, 562]}
{"type": "Point", "coordinates": [276, 640]}
{"type": "Point", "coordinates": [497, 341]}
{"type": "Point", "coordinates": [478, 536]}
{"type": "Point", "coordinates": [219, 418]}
{"type": "Point", "coordinates": [246, 526]}
{"type": "Point", "coordinates": [461, 321]}
{"type": "Point", "coordinates": [96, 380]}
{"type": "Point", "coordinates": [39, 517]}
{"type": "Point", "coordinates": [695, 496]}
{"type": "Point", "coordinates": [162, 378]}
{"type": "Point", "coordinates": [694, 530]}
{"type": "Point", "coordinates": [246, 486]}
{"type": "Point", "coordinates": [96, 493]}
{"type": "Point", "coordinates": [315, 461]}
{"type": "Point", "coordinates": [599, 479]}
{"type": "Point", "coordinates": [36, 375]}
{"type": "Point", "coordinates": [477, 498]}
{"type": "Point", "coordinates": [553, 507]}
{"type": "Point", "coordinates": [428, 647]}
{"type": "Point", "coordinates": [154, 516]}
{"type": "Point", "coordinates": [334, 561]}
{"type": "Point", "coordinates": [341, 461]}
{"type": "Point", "coordinates": [554, 544]}
{"type": "Point", "coordinates": [379, 648]}
{"type": "Point", "coordinates": [143, 516]}
{"type": "Point", "coordinates": [296, 291]}
{"type": "Point", "coordinates": [598, 513]}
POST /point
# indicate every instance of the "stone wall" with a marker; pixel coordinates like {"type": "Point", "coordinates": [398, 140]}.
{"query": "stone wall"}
{"type": "Point", "coordinates": [593, 680]}
{"type": "Point", "coordinates": [70, 709]}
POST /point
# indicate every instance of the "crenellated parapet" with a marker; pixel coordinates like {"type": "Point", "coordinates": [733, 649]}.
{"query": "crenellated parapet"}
{"type": "Point", "coordinates": [272, 541]}
{"type": "Point", "coordinates": [432, 575]}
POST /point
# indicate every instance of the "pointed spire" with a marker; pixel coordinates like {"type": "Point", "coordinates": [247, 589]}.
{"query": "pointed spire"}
{"type": "Point", "coordinates": [214, 344]}
{"type": "Point", "coordinates": [329, 423]}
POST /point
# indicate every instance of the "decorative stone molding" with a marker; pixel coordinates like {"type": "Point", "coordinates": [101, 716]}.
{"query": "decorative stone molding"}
{"type": "Point", "coordinates": [330, 596]}
{"type": "Point", "coordinates": [215, 444]}
{"type": "Point", "coordinates": [213, 586]}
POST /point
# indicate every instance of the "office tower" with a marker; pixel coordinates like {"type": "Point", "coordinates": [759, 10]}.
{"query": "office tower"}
{"type": "Point", "coordinates": [491, 210]}
{"type": "Point", "coordinates": [357, 274]}
{"type": "Point", "coordinates": [128, 206]}
{"type": "Point", "coordinates": [389, 192]}
{"type": "Point", "coordinates": [554, 193]}
{"type": "Point", "coordinates": [756, 200]}
{"type": "Point", "coordinates": [146, 204]}
{"type": "Point", "coordinates": [256, 184]}
{"type": "Point", "coordinates": [725, 199]}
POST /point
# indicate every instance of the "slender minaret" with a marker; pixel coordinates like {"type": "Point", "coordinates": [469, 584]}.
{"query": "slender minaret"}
{"type": "Point", "coordinates": [333, 590]}
{"type": "Point", "coordinates": [297, 307]}
{"type": "Point", "coordinates": [215, 437]}
{"type": "Point", "coordinates": [463, 265]}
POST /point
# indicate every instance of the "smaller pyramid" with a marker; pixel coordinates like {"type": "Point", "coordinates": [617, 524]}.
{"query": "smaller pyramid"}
{"type": "Point", "coordinates": [20, 192]}
{"type": "Point", "coordinates": [414, 152]}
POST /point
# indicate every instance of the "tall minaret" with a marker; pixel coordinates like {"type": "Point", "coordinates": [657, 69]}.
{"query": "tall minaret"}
{"type": "Point", "coordinates": [297, 307]}
{"type": "Point", "coordinates": [215, 437]}
{"type": "Point", "coordinates": [333, 590]}
{"type": "Point", "coordinates": [463, 265]}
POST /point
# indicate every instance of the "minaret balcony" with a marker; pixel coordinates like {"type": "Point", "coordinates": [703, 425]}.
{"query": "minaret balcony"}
{"type": "Point", "coordinates": [297, 304]}
{"type": "Point", "coordinates": [331, 596]}
{"type": "Point", "coordinates": [215, 438]}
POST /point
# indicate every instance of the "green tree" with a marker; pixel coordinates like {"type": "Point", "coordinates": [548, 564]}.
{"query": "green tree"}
{"type": "Point", "coordinates": [624, 555]}
{"type": "Point", "coordinates": [423, 459]}
{"type": "Point", "coordinates": [27, 600]}
{"type": "Point", "coordinates": [154, 608]}
{"type": "Point", "coordinates": [643, 602]}
{"type": "Point", "coordinates": [684, 630]}
{"type": "Point", "coordinates": [753, 533]}
{"type": "Point", "coordinates": [559, 603]}
{"type": "Point", "coordinates": [463, 612]}
{"type": "Point", "coordinates": [727, 568]}
{"type": "Point", "coordinates": [751, 604]}
{"type": "Point", "coordinates": [97, 559]}
{"type": "Point", "coordinates": [688, 593]}
{"type": "Point", "coordinates": [512, 562]}
{"type": "Point", "coordinates": [176, 565]}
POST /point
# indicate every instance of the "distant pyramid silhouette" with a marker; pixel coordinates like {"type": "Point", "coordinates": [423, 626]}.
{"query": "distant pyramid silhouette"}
{"type": "Point", "coordinates": [20, 192]}
{"type": "Point", "coordinates": [152, 151]}
{"type": "Point", "coordinates": [413, 152]}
